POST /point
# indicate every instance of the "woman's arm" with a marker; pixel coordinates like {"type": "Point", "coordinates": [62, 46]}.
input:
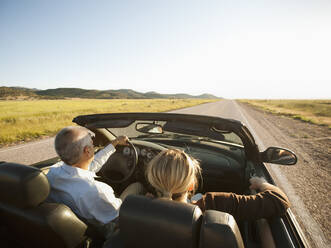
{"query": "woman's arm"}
{"type": "Point", "coordinates": [272, 201]}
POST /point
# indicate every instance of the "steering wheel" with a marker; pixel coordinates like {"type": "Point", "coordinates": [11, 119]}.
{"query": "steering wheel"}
{"type": "Point", "coordinates": [119, 167]}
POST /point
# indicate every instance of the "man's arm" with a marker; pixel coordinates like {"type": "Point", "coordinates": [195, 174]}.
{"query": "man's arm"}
{"type": "Point", "coordinates": [102, 156]}
{"type": "Point", "coordinates": [268, 203]}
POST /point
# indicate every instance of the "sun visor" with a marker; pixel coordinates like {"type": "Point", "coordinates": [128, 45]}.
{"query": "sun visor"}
{"type": "Point", "coordinates": [192, 129]}
{"type": "Point", "coordinates": [110, 124]}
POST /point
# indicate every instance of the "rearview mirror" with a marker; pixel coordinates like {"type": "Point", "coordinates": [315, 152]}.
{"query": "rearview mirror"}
{"type": "Point", "coordinates": [149, 128]}
{"type": "Point", "coordinates": [277, 155]}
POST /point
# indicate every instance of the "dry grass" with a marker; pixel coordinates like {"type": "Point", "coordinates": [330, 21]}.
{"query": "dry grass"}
{"type": "Point", "coordinates": [27, 120]}
{"type": "Point", "coordinates": [313, 111]}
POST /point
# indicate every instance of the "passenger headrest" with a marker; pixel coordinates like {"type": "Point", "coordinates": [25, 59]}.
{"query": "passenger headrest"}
{"type": "Point", "coordinates": [219, 229]}
{"type": "Point", "coordinates": [147, 222]}
{"type": "Point", "coordinates": [22, 186]}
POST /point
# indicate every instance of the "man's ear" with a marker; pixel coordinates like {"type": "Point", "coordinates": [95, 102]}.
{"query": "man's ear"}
{"type": "Point", "coordinates": [87, 150]}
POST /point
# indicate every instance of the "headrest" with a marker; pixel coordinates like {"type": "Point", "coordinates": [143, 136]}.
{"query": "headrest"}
{"type": "Point", "coordinates": [147, 222]}
{"type": "Point", "coordinates": [219, 229]}
{"type": "Point", "coordinates": [22, 186]}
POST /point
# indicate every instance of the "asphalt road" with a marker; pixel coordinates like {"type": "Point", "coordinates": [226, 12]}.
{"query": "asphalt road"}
{"type": "Point", "coordinates": [29, 153]}
{"type": "Point", "coordinates": [41, 150]}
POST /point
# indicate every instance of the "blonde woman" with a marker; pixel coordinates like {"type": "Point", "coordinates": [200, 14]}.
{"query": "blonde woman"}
{"type": "Point", "coordinates": [174, 175]}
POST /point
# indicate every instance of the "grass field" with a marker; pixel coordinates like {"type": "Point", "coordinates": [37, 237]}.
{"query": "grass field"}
{"type": "Point", "coordinates": [27, 120]}
{"type": "Point", "coordinates": [313, 111]}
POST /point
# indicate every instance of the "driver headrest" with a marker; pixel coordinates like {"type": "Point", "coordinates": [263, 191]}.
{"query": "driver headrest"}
{"type": "Point", "coordinates": [147, 222]}
{"type": "Point", "coordinates": [22, 186]}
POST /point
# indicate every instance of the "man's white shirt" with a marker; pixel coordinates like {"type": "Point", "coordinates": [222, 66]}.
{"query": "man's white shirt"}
{"type": "Point", "coordinates": [77, 188]}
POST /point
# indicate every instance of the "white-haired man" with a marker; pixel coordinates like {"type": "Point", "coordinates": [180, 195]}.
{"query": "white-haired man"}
{"type": "Point", "coordinates": [72, 180]}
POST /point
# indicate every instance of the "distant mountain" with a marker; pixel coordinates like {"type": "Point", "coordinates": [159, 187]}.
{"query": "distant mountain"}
{"type": "Point", "coordinates": [6, 92]}
{"type": "Point", "coordinates": [207, 96]}
{"type": "Point", "coordinates": [16, 92]}
{"type": "Point", "coordinates": [24, 88]}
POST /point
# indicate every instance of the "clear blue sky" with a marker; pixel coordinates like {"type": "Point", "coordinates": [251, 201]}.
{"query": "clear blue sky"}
{"type": "Point", "coordinates": [232, 49]}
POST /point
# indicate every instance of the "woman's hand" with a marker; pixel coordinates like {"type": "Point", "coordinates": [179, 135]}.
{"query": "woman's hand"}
{"type": "Point", "coordinates": [258, 183]}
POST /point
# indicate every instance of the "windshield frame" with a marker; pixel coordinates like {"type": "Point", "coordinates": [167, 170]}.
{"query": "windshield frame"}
{"type": "Point", "coordinates": [118, 120]}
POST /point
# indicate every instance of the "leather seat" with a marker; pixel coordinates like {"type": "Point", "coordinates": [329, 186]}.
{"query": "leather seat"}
{"type": "Point", "coordinates": [219, 229]}
{"type": "Point", "coordinates": [27, 218]}
{"type": "Point", "coordinates": [146, 222]}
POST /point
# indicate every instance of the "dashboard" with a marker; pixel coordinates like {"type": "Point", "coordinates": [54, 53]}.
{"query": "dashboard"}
{"type": "Point", "coordinates": [223, 169]}
{"type": "Point", "coordinates": [145, 154]}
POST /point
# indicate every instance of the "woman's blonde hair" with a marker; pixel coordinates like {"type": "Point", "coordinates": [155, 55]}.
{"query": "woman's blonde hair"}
{"type": "Point", "coordinates": [172, 172]}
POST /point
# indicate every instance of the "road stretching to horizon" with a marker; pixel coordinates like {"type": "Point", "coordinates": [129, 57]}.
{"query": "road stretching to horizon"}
{"type": "Point", "coordinates": [44, 149]}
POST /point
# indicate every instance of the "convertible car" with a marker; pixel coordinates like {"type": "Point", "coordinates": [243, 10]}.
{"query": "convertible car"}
{"type": "Point", "coordinates": [228, 155]}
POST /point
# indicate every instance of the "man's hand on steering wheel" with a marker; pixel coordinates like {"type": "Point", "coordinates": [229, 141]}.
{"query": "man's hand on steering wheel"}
{"type": "Point", "coordinates": [120, 140]}
{"type": "Point", "coordinates": [119, 167]}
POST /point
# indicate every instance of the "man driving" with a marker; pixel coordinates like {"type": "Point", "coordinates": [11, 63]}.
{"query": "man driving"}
{"type": "Point", "coordinates": [72, 179]}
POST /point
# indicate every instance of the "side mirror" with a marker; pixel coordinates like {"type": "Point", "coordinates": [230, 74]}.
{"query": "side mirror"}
{"type": "Point", "coordinates": [149, 128]}
{"type": "Point", "coordinates": [277, 155]}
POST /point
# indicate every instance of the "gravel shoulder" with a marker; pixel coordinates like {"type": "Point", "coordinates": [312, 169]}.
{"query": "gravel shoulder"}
{"type": "Point", "coordinates": [311, 176]}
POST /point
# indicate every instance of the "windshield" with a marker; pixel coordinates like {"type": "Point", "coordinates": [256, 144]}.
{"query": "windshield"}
{"type": "Point", "coordinates": [179, 130]}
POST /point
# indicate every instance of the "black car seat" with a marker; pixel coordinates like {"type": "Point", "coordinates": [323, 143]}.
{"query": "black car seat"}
{"type": "Point", "coordinates": [27, 218]}
{"type": "Point", "coordinates": [146, 222]}
{"type": "Point", "coordinates": [219, 229]}
{"type": "Point", "coordinates": [149, 223]}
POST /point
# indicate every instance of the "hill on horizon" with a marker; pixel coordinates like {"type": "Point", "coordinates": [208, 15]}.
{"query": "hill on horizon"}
{"type": "Point", "coordinates": [9, 93]}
